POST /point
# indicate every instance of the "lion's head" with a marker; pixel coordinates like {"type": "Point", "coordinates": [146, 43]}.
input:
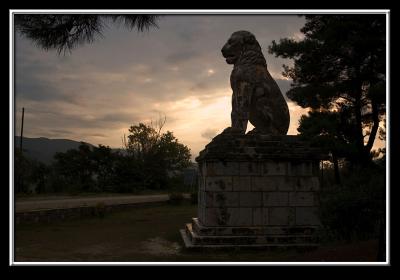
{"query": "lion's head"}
{"type": "Point", "coordinates": [242, 45]}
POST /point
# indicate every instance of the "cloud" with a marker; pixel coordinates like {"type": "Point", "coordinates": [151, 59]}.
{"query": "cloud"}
{"type": "Point", "coordinates": [209, 133]}
{"type": "Point", "coordinates": [181, 56]}
{"type": "Point", "coordinates": [119, 117]}
{"type": "Point", "coordinates": [60, 131]}
{"type": "Point", "coordinates": [99, 90]}
{"type": "Point", "coordinates": [99, 135]}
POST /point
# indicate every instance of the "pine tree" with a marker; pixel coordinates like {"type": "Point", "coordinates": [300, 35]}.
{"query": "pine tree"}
{"type": "Point", "coordinates": [340, 66]}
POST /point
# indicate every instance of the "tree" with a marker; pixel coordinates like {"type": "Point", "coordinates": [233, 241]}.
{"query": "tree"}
{"type": "Point", "coordinates": [146, 141]}
{"type": "Point", "coordinates": [75, 168]}
{"type": "Point", "coordinates": [103, 162]}
{"type": "Point", "coordinates": [22, 167]}
{"type": "Point", "coordinates": [326, 130]}
{"type": "Point", "coordinates": [159, 155]}
{"type": "Point", "coordinates": [175, 155]}
{"type": "Point", "coordinates": [66, 31]}
{"type": "Point", "coordinates": [340, 65]}
{"type": "Point", "coordinates": [39, 176]}
{"type": "Point", "coordinates": [30, 174]}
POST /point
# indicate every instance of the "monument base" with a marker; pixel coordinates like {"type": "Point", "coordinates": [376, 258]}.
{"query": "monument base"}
{"type": "Point", "coordinates": [256, 191]}
{"type": "Point", "coordinates": [196, 235]}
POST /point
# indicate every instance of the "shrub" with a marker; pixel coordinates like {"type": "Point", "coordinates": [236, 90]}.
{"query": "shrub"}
{"type": "Point", "coordinates": [175, 198]}
{"type": "Point", "coordinates": [354, 210]}
{"type": "Point", "coordinates": [100, 210]}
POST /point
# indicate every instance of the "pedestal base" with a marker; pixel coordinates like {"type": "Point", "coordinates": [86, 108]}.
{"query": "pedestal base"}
{"type": "Point", "coordinates": [196, 235]}
{"type": "Point", "coordinates": [256, 191]}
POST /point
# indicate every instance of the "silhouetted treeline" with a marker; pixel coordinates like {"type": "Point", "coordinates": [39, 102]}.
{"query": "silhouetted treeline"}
{"type": "Point", "coordinates": [152, 160]}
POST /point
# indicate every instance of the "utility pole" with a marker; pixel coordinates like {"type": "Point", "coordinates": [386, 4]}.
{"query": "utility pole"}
{"type": "Point", "coordinates": [22, 129]}
{"type": "Point", "coordinates": [20, 179]}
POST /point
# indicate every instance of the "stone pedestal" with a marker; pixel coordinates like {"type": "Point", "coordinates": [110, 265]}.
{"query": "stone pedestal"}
{"type": "Point", "coordinates": [256, 190]}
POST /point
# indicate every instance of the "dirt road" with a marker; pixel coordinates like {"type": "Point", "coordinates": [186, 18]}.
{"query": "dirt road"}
{"type": "Point", "coordinates": [66, 202]}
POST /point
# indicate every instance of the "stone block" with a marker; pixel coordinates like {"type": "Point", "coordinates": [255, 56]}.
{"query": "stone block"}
{"type": "Point", "coordinates": [219, 183]}
{"type": "Point", "coordinates": [210, 217]}
{"type": "Point", "coordinates": [208, 199]}
{"type": "Point", "coordinates": [273, 168]}
{"type": "Point", "coordinates": [249, 168]}
{"type": "Point", "coordinates": [275, 199]}
{"type": "Point", "coordinates": [240, 216]}
{"type": "Point", "coordinates": [201, 213]}
{"type": "Point", "coordinates": [286, 183]}
{"type": "Point", "coordinates": [250, 199]}
{"type": "Point", "coordinates": [274, 230]}
{"type": "Point", "coordinates": [300, 168]}
{"type": "Point", "coordinates": [301, 199]}
{"type": "Point", "coordinates": [223, 230]}
{"type": "Point", "coordinates": [240, 183]}
{"type": "Point", "coordinates": [307, 184]}
{"type": "Point", "coordinates": [202, 168]}
{"type": "Point", "coordinates": [315, 168]}
{"type": "Point", "coordinates": [229, 199]}
{"type": "Point", "coordinates": [260, 216]}
{"type": "Point", "coordinates": [228, 217]}
{"type": "Point", "coordinates": [220, 168]}
{"type": "Point", "coordinates": [200, 196]}
{"type": "Point", "coordinates": [308, 168]}
{"type": "Point", "coordinates": [281, 216]}
{"type": "Point", "coordinates": [201, 183]}
{"type": "Point", "coordinates": [316, 199]}
{"type": "Point", "coordinates": [216, 216]}
{"type": "Point", "coordinates": [307, 216]}
{"type": "Point", "coordinates": [264, 183]}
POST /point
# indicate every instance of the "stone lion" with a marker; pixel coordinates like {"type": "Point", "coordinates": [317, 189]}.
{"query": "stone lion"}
{"type": "Point", "coordinates": [256, 96]}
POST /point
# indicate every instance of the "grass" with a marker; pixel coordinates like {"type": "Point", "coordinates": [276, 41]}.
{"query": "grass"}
{"type": "Point", "coordinates": [151, 233]}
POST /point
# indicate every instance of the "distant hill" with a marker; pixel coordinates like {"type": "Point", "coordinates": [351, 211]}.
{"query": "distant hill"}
{"type": "Point", "coordinates": [43, 149]}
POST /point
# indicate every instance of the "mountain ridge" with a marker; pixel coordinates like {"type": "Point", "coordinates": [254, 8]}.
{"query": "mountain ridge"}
{"type": "Point", "coordinates": [43, 149]}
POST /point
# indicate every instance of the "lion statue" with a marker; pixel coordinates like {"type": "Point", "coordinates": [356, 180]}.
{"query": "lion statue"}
{"type": "Point", "coordinates": [256, 96]}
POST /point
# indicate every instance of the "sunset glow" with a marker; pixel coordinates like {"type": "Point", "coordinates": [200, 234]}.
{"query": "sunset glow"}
{"type": "Point", "coordinates": [99, 90]}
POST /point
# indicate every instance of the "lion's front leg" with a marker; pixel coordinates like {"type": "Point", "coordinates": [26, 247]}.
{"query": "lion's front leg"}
{"type": "Point", "coordinates": [241, 100]}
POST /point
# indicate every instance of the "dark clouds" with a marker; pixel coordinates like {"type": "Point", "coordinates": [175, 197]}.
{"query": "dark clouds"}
{"type": "Point", "coordinates": [101, 89]}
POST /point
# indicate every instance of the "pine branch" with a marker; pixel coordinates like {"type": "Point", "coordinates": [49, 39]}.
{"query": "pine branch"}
{"type": "Point", "coordinates": [66, 32]}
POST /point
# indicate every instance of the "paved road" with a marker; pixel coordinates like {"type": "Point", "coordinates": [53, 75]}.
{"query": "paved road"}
{"type": "Point", "coordinates": [23, 206]}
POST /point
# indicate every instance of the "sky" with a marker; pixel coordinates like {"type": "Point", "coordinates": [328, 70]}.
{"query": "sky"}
{"type": "Point", "coordinates": [96, 92]}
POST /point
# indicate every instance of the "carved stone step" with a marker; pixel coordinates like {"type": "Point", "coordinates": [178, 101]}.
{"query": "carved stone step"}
{"type": "Point", "coordinates": [197, 239]}
{"type": "Point", "coordinates": [261, 230]}
{"type": "Point", "coordinates": [190, 245]}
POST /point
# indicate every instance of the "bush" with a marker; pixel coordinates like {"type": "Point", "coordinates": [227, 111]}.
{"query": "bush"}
{"type": "Point", "coordinates": [354, 210]}
{"type": "Point", "coordinates": [175, 198]}
{"type": "Point", "coordinates": [100, 210]}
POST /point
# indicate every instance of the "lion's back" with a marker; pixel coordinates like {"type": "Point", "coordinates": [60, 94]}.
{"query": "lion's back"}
{"type": "Point", "coordinates": [273, 101]}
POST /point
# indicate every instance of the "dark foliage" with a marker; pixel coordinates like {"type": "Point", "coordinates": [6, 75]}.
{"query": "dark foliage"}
{"type": "Point", "coordinates": [356, 209]}
{"type": "Point", "coordinates": [340, 66]}
{"type": "Point", "coordinates": [99, 169]}
{"type": "Point", "coordinates": [66, 31]}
